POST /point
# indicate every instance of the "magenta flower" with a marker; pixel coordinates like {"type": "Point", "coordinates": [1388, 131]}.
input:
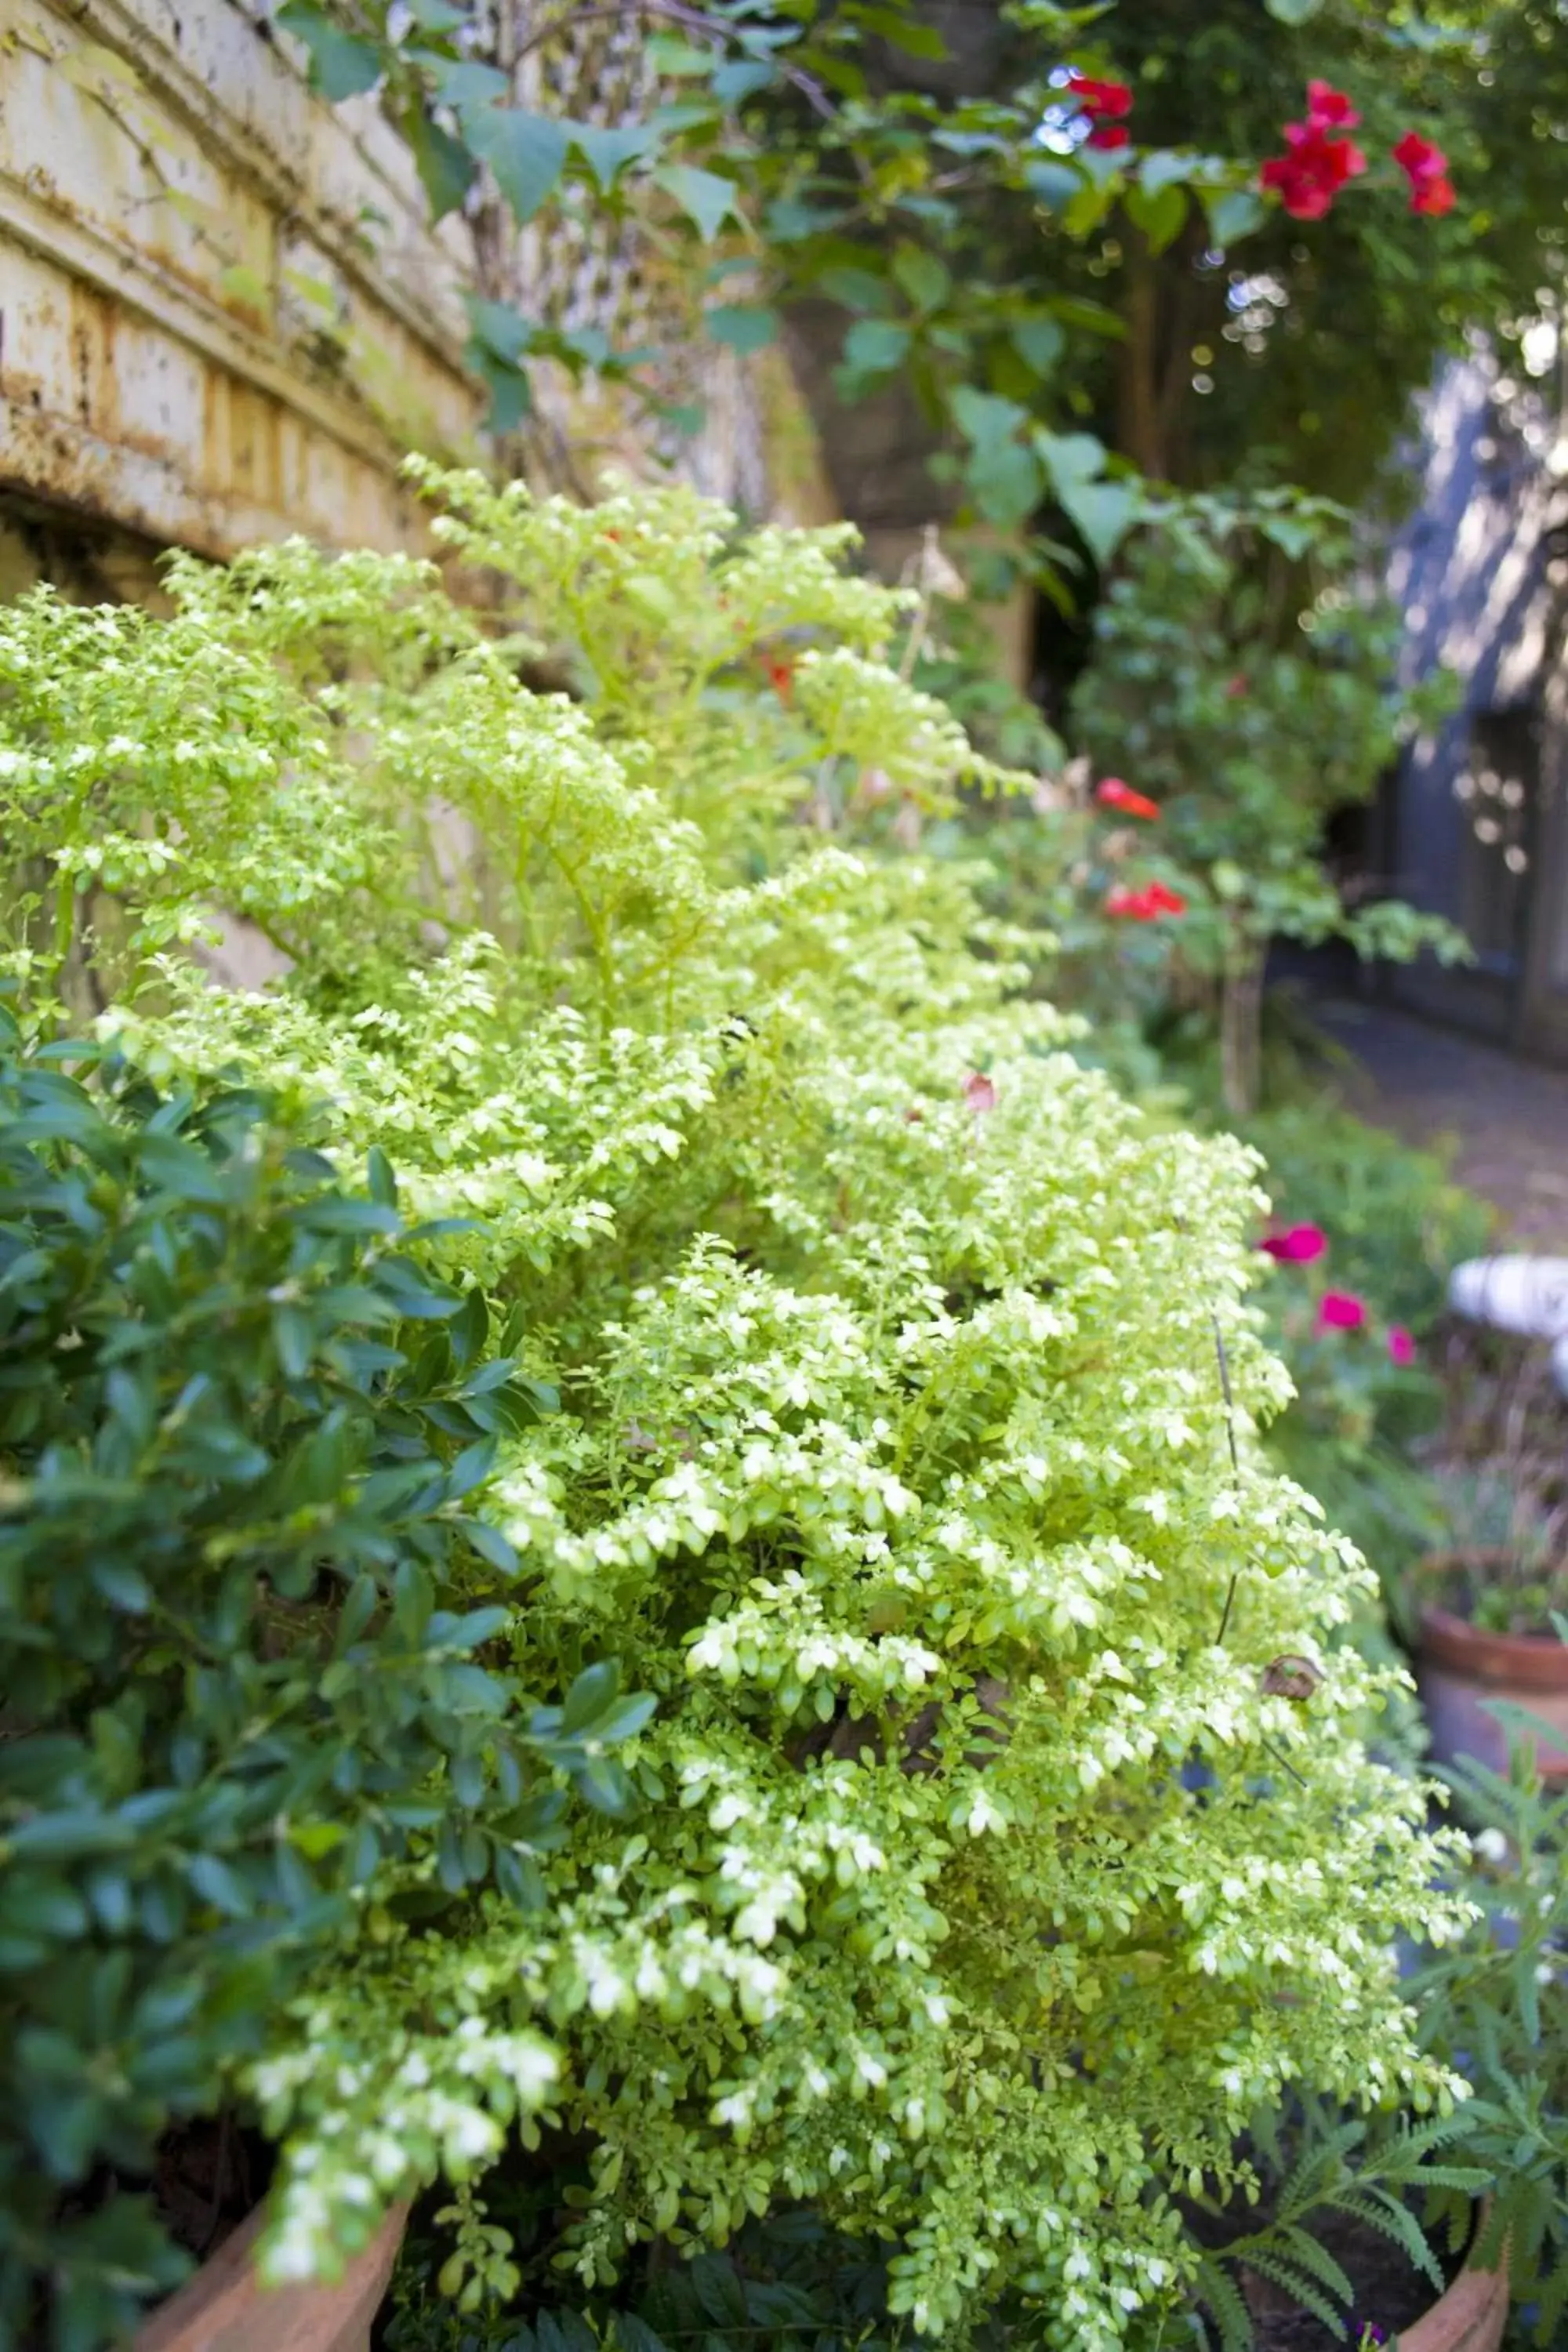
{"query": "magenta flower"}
{"type": "Point", "coordinates": [1401, 1346]}
{"type": "Point", "coordinates": [979, 1092]}
{"type": "Point", "coordinates": [1339, 1310]}
{"type": "Point", "coordinates": [1300, 1246]}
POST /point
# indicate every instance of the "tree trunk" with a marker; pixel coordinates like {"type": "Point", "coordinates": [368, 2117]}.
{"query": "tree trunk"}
{"type": "Point", "coordinates": [1241, 1030]}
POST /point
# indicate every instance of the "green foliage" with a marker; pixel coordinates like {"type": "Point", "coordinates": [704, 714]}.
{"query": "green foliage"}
{"type": "Point", "coordinates": [1493, 2007]}
{"type": "Point", "coordinates": [892, 1458]}
{"type": "Point", "coordinates": [253, 1640]}
{"type": "Point", "coordinates": [1337, 2170]}
{"type": "Point", "coordinates": [1396, 1221]}
{"type": "Point", "coordinates": [1239, 680]}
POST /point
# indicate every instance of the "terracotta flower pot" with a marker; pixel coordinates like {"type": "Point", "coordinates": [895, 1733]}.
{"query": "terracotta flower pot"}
{"type": "Point", "coordinates": [1469, 2317]}
{"type": "Point", "coordinates": [226, 2308]}
{"type": "Point", "coordinates": [1459, 1669]}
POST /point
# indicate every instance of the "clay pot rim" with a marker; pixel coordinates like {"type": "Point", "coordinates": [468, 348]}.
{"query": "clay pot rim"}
{"type": "Point", "coordinates": [223, 2307]}
{"type": "Point", "coordinates": [1471, 2312]}
{"type": "Point", "coordinates": [1537, 1661]}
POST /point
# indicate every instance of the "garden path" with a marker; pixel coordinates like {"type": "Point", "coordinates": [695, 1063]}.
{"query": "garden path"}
{"type": "Point", "coordinates": [1509, 1117]}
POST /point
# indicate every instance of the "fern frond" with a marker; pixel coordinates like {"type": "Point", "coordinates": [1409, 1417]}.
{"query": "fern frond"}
{"type": "Point", "coordinates": [1394, 2220]}
{"type": "Point", "coordinates": [1300, 2246]}
{"type": "Point", "coordinates": [1300, 2289]}
{"type": "Point", "coordinates": [1221, 2297]}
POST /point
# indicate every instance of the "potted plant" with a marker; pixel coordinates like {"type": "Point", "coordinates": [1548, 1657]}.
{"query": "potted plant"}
{"type": "Point", "coordinates": [1484, 1609]}
{"type": "Point", "coordinates": [249, 1658]}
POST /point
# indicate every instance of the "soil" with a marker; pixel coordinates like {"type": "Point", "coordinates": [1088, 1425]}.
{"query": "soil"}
{"type": "Point", "coordinates": [1391, 2293]}
{"type": "Point", "coordinates": [209, 2176]}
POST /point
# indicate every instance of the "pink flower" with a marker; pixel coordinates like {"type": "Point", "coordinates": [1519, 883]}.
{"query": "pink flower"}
{"type": "Point", "coordinates": [1401, 1346]}
{"type": "Point", "coordinates": [1298, 1246]}
{"type": "Point", "coordinates": [1113, 793]}
{"type": "Point", "coordinates": [979, 1093]}
{"type": "Point", "coordinates": [1237, 687]}
{"type": "Point", "coordinates": [1329, 109]}
{"type": "Point", "coordinates": [1341, 1310]}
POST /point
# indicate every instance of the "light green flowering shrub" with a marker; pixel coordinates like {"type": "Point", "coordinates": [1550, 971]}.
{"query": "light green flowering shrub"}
{"type": "Point", "coordinates": [893, 1458]}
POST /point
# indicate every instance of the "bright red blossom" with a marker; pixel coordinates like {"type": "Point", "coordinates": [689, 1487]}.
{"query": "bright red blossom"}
{"type": "Point", "coordinates": [1341, 1310]}
{"type": "Point", "coordinates": [1114, 795]}
{"type": "Point", "coordinates": [1318, 163]}
{"type": "Point", "coordinates": [1108, 99]}
{"type": "Point", "coordinates": [1425, 166]}
{"type": "Point", "coordinates": [1104, 102]}
{"type": "Point", "coordinates": [1298, 1246]}
{"type": "Point", "coordinates": [781, 677]}
{"type": "Point", "coordinates": [1328, 108]}
{"type": "Point", "coordinates": [1421, 159]}
{"type": "Point", "coordinates": [1143, 906]}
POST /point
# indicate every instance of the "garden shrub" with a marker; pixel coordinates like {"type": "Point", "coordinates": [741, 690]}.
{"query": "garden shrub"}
{"type": "Point", "coordinates": [253, 1642]}
{"type": "Point", "coordinates": [1243, 678]}
{"type": "Point", "coordinates": [893, 1457]}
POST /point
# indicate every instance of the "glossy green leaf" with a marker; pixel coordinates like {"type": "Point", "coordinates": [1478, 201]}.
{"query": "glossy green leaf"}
{"type": "Point", "coordinates": [342, 65]}
{"type": "Point", "coordinates": [526, 153]}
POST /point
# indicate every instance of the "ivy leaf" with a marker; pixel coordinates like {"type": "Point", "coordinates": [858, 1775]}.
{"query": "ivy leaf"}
{"type": "Point", "coordinates": [527, 154]}
{"type": "Point", "coordinates": [668, 54]}
{"type": "Point", "coordinates": [1162, 168]}
{"type": "Point", "coordinates": [445, 166]}
{"type": "Point", "coordinates": [609, 148]}
{"type": "Point", "coordinates": [341, 66]}
{"type": "Point", "coordinates": [1233, 214]}
{"type": "Point", "coordinates": [741, 79]}
{"type": "Point", "coordinates": [1071, 458]}
{"type": "Point", "coordinates": [511, 396]}
{"type": "Point", "coordinates": [873, 346]}
{"type": "Point", "coordinates": [923, 277]}
{"type": "Point", "coordinates": [742, 327]}
{"type": "Point", "coordinates": [1160, 216]}
{"type": "Point", "coordinates": [464, 83]}
{"type": "Point", "coordinates": [1055, 183]}
{"type": "Point", "coordinates": [706, 199]}
{"type": "Point", "coordinates": [1040, 343]}
{"type": "Point", "coordinates": [1103, 512]}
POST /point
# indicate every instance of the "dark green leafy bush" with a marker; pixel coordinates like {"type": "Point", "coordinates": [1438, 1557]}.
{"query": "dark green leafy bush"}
{"type": "Point", "coordinates": [250, 1637]}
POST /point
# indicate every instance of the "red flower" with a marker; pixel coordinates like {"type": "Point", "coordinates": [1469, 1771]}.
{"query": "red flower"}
{"type": "Point", "coordinates": [979, 1093]}
{"type": "Point", "coordinates": [1317, 167]}
{"type": "Point", "coordinates": [781, 676]}
{"type": "Point", "coordinates": [1329, 109]}
{"type": "Point", "coordinates": [1433, 196]}
{"type": "Point", "coordinates": [1143, 906]}
{"type": "Point", "coordinates": [1426, 168]}
{"type": "Point", "coordinates": [1110, 98]}
{"type": "Point", "coordinates": [1401, 1346]}
{"type": "Point", "coordinates": [1300, 1246]}
{"type": "Point", "coordinates": [1113, 793]}
{"type": "Point", "coordinates": [1339, 1310]}
{"type": "Point", "coordinates": [1421, 159]}
{"type": "Point", "coordinates": [1109, 134]}
{"type": "Point", "coordinates": [1237, 687]}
